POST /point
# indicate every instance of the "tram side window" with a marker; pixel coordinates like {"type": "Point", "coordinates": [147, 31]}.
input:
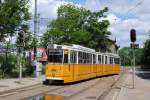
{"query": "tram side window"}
{"type": "Point", "coordinates": [102, 59]}
{"type": "Point", "coordinates": [117, 60]}
{"type": "Point", "coordinates": [80, 58]}
{"type": "Point", "coordinates": [73, 56]}
{"type": "Point", "coordinates": [105, 59]}
{"type": "Point", "coordinates": [111, 60]}
{"type": "Point", "coordinates": [94, 59]}
{"type": "Point", "coordinates": [65, 56]}
{"type": "Point", "coordinates": [99, 59]}
{"type": "Point", "coordinates": [55, 56]}
{"type": "Point", "coordinates": [87, 58]}
{"type": "Point", "coordinates": [90, 59]}
{"type": "Point", "coordinates": [84, 58]}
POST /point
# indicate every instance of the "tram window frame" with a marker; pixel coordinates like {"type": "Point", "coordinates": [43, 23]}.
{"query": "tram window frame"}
{"type": "Point", "coordinates": [73, 57]}
{"type": "Point", "coordinates": [66, 56]}
{"type": "Point", "coordinates": [90, 58]}
{"type": "Point", "coordinates": [106, 58]}
{"type": "Point", "coordinates": [53, 52]}
{"type": "Point", "coordinates": [87, 58]}
{"type": "Point", "coordinates": [79, 58]}
{"type": "Point", "coordinates": [111, 60]}
{"type": "Point", "coordinates": [99, 59]}
{"type": "Point", "coordinates": [84, 58]}
{"type": "Point", "coordinates": [117, 60]}
{"type": "Point", "coordinates": [102, 59]}
{"type": "Point", "coordinates": [94, 59]}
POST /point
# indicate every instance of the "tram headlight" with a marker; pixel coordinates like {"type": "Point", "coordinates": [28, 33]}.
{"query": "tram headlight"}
{"type": "Point", "coordinates": [53, 72]}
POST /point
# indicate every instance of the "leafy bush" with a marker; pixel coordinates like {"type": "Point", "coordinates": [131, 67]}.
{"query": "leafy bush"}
{"type": "Point", "coordinates": [9, 67]}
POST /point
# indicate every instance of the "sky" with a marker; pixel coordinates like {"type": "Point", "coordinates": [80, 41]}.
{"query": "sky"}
{"type": "Point", "coordinates": [123, 16]}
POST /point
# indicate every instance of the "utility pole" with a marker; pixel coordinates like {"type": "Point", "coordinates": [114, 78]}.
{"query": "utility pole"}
{"type": "Point", "coordinates": [38, 23]}
{"type": "Point", "coordinates": [35, 38]}
{"type": "Point", "coordinates": [35, 26]}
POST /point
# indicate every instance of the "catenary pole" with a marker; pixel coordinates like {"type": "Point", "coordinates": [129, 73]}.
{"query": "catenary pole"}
{"type": "Point", "coordinates": [35, 32]}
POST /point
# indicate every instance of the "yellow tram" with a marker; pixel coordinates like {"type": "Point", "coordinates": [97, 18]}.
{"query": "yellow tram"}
{"type": "Point", "coordinates": [70, 63]}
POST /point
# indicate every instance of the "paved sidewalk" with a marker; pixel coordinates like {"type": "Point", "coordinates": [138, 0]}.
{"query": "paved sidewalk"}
{"type": "Point", "coordinates": [141, 91]}
{"type": "Point", "coordinates": [8, 84]}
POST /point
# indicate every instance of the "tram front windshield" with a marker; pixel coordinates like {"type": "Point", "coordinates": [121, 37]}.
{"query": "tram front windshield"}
{"type": "Point", "coordinates": [55, 55]}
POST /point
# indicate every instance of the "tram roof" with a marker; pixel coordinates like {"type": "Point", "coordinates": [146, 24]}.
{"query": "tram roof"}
{"type": "Point", "coordinates": [108, 54]}
{"type": "Point", "coordinates": [72, 47]}
{"type": "Point", "coordinates": [79, 48]}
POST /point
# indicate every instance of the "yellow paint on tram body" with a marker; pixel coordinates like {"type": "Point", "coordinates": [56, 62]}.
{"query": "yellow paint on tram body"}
{"type": "Point", "coordinates": [76, 72]}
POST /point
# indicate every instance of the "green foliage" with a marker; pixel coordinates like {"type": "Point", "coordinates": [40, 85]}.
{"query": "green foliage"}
{"type": "Point", "coordinates": [146, 54]}
{"type": "Point", "coordinates": [77, 25]}
{"type": "Point", "coordinates": [11, 69]}
{"type": "Point", "coordinates": [126, 55]}
{"type": "Point", "coordinates": [30, 41]}
{"type": "Point", "coordinates": [12, 14]}
{"type": "Point", "coordinates": [9, 66]}
{"type": "Point", "coordinates": [28, 69]}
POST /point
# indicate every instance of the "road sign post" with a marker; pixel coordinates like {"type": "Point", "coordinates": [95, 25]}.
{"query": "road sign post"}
{"type": "Point", "coordinates": [133, 68]}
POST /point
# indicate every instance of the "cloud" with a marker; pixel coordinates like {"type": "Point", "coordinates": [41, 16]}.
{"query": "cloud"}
{"type": "Point", "coordinates": [123, 15]}
{"type": "Point", "coordinates": [47, 8]}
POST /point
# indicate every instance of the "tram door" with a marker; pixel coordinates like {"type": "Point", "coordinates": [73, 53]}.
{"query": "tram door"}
{"type": "Point", "coordinates": [73, 63]}
{"type": "Point", "coordinates": [68, 67]}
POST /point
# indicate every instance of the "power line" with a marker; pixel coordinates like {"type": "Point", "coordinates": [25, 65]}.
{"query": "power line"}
{"type": "Point", "coordinates": [138, 4]}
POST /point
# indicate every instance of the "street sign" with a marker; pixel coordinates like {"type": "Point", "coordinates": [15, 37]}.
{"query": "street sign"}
{"type": "Point", "coordinates": [134, 46]}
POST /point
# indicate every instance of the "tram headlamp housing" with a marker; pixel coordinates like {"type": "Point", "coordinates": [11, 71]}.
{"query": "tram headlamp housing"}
{"type": "Point", "coordinates": [53, 72]}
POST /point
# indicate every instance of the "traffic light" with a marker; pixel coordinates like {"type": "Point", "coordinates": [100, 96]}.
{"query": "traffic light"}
{"type": "Point", "coordinates": [21, 36]}
{"type": "Point", "coordinates": [133, 35]}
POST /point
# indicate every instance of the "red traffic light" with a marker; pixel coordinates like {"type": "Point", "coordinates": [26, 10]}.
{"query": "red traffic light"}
{"type": "Point", "coordinates": [133, 35]}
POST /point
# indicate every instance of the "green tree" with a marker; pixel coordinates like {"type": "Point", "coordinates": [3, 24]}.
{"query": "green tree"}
{"type": "Point", "coordinates": [146, 54]}
{"type": "Point", "coordinates": [12, 15]}
{"type": "Point", "coordinates": [126, 55]}
{"type": "Point", "coordinates": [77, 25]}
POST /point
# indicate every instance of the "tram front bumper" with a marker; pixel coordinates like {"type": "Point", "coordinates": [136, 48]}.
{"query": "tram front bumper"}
{"type": "Point", "coordinates": [53, 80]}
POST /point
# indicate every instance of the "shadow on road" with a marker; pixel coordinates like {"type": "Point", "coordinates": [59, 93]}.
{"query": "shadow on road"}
{"type": "Point", "coordinates": [143, 73]}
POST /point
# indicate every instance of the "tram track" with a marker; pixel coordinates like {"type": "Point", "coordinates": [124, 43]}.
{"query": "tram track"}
{"type": "Point", "coordinates": [68, 87]}
{"type": "Point", "coordinates": [24, 93]}
{"type": "Point", "coordinates": [11, 91]}
{"type": "Point", "coordinates": [106, 91]}
{"type": "Point", "coordinates": [74, 91]}
{"type": "Point", "coordinates": [67, 91]}
{"type": "Point", "coordinates": [102, 93]}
